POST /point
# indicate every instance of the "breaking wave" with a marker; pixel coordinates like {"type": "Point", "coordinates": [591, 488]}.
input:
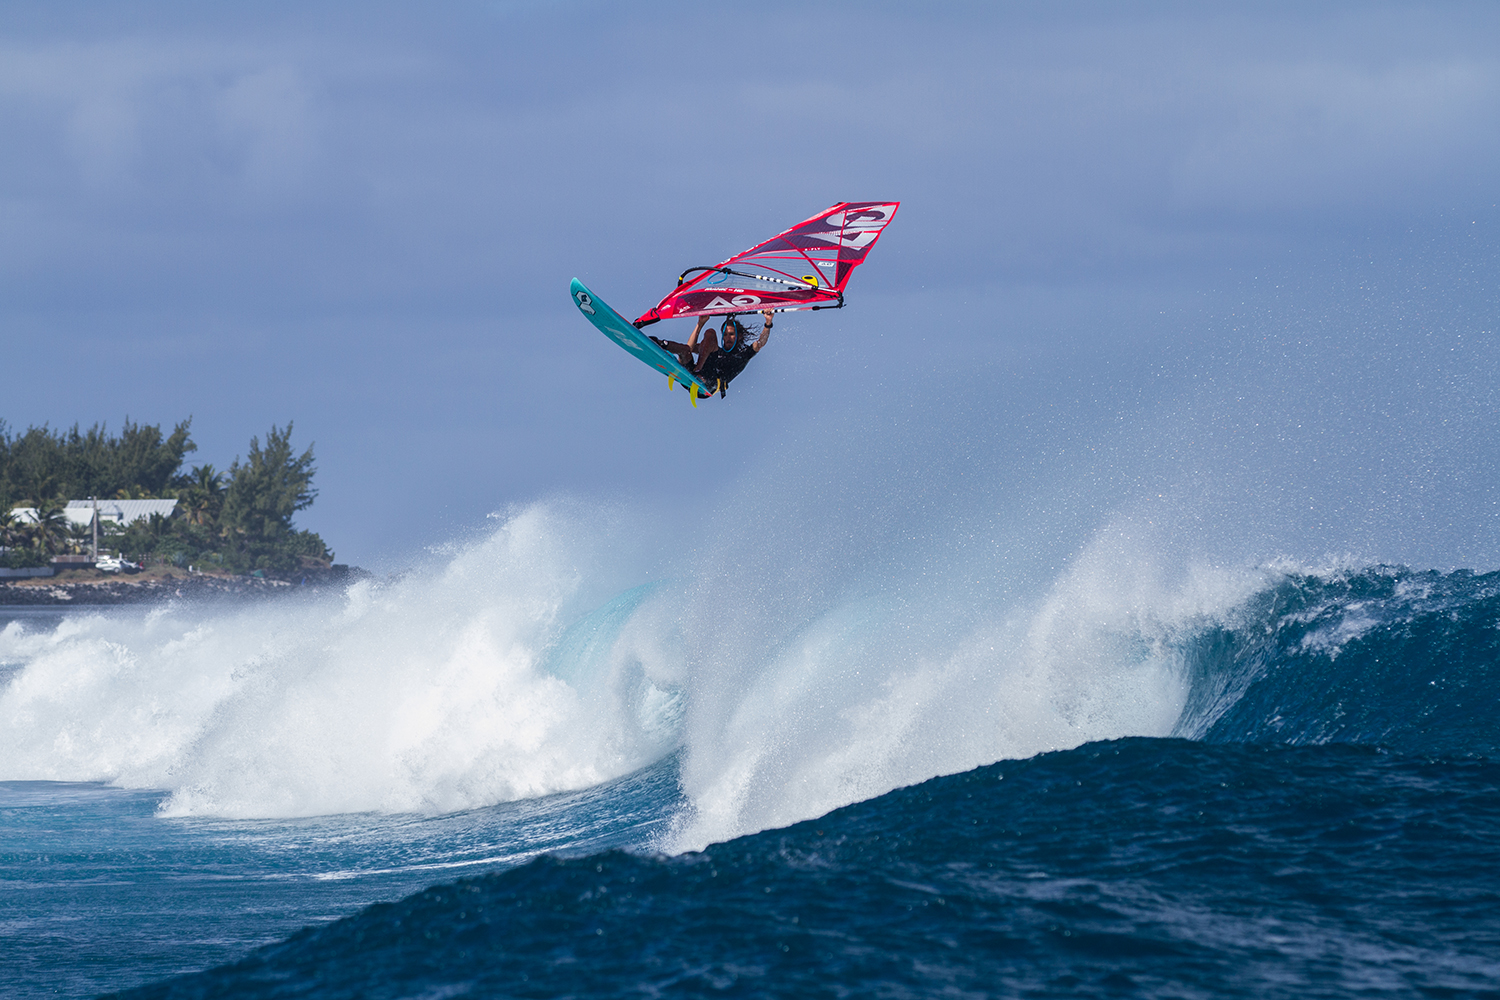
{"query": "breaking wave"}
{"type": "Point", "coordinates": [534, 661]}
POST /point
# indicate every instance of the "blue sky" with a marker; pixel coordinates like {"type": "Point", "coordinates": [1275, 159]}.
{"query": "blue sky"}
{"type": "Point", "coordinates": [364, 217]}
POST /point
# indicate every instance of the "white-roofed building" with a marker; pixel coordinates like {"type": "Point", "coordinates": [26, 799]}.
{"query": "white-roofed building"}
{"type": "Point", "coordinates": [122, 511]}
{"type": "Point", "coordinates": [81, 512]}
{"type": "Point", "coordinates": [27, 515]}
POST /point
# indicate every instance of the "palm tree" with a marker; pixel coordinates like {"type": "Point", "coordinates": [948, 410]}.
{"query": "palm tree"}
{"type": "Point", "coordinates": [48, 531]}
{"type": "Point", "coordinates": [79, 535]}
{"type": "Point", "coordinates": [204, 497]}
{"type": "Point", "coordinates": [10, 532]}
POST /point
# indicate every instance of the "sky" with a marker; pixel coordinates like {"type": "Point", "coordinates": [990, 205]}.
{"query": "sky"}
{"type": "Point", "coordinates": [363, 218]}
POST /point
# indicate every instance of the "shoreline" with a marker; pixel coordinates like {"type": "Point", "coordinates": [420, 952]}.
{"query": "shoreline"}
{"type": "Point", "coordinates": [51, 592]}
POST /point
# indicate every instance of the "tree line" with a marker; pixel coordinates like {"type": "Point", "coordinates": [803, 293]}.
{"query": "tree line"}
{"type": "Point", "coordinates": [239, 519]}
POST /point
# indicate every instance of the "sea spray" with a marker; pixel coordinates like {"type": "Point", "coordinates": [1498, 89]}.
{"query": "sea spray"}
{"type": "Point", "coordinates": [1135, 853]}
{"type": "Point", "coordinates": [532, 661]}
{"type": "Point", "coordinates": [897, 676]}
{"type": "Point", "coordinates": [427, 694]}
{"type": "Point", "coordinates": [508, 668]}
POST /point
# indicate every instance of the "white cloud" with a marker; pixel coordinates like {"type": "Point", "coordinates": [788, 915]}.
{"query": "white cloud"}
{"type": "Point", "coordinates": [269, 117]}
{"type": "Point", "coordinates": [129, 115]}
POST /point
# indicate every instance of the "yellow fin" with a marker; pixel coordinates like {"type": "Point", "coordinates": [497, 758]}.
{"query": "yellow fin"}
{"type": "Point", "coordinates": [693, 392]}
{"type": "Point", "coordinates": [671, 381]}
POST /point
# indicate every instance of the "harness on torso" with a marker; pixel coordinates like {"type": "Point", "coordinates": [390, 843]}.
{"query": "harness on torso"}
{"type": "Point", "coordinates": [722, 366]}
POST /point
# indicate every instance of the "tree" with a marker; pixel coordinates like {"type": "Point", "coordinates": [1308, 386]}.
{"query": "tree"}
{"type": "Point", "coordinates": [203, 498]}
{"type": "Point", "coordinates": [270, 486]}
{"type": "Point", "coordinates": [241, 521]}
{"type": "Point", "coordinates": [264, 492]}
{"type": "Point", "coordinates": [35, 467]}
{"type": "Point", "coordinates": [16, 543]}
{"type": "Point", "coordinates": [140, 462]}
{"type": "Point", "coordinates": [47, 533]}
{"type": "Point", "coordinates": [80, 535]}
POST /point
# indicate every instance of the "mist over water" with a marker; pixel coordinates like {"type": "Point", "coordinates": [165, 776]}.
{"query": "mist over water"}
{"type": "Point", "coordinates": [426, 694]}
{"type": "Point", "coordinates": [1017, 559]}
{"type": "Point", "coordinates": [959, 566]}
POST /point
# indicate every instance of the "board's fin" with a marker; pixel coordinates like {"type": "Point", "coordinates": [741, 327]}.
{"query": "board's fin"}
{"type": "Point", "coordinates": [619, 329]}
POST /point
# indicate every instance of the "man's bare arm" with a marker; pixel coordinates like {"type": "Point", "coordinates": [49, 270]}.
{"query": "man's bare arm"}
{"type": "Point", "coordinates": [693, 340]}
{"type": "Point", "coordinates": [765, 332]}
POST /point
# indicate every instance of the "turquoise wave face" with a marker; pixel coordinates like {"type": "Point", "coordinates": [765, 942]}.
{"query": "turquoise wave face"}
{"type": "Point", "coordinates": [583, 650]}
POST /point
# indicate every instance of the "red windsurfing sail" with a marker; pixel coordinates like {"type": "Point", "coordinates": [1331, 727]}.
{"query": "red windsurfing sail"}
{"type": "Point", "coordinates": [805, 267]}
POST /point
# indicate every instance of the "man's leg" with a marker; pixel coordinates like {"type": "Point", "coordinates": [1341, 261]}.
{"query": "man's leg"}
{"type": "Point", "coordinates": [684, 355]}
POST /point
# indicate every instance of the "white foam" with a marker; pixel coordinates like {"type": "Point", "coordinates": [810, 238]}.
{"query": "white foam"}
{"type": "Point", "coordinates": [422, 695]}
{"type": "Point", "coordinates": [793, 683]}
{"type": "Point", "coordinates": [866, 698]}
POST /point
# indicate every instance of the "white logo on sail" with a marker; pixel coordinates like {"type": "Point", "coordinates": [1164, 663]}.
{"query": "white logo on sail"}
{"type": "Point", "coordinates": [861, 225]}
{"type": "Point", "coordinates": [739, 301]}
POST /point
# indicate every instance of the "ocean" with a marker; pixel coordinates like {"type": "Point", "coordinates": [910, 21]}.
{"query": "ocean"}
{"type": "Point", "coordinates": [1104, 603]}
{"type": "Point", "coordinates": [510, 773]}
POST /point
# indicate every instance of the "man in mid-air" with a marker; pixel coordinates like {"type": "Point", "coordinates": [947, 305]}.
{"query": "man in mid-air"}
{"type": "Point", "coordinates": [718, 362]}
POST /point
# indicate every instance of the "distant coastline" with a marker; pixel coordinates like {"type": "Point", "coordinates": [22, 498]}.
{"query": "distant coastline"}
{"type": "Point", "coordinates": [77, 588]}
{"type": "Point", "coordinates": [122, 501]}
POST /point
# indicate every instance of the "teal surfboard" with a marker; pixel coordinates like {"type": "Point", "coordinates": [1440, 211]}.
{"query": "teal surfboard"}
{"type": "Point", "coordinates": [621, 331]}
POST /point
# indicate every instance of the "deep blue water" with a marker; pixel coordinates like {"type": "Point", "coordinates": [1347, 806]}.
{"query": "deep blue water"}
{"type": "Point", "coordinates": [96, 888]}
{"type": "Point", "coordinates": [1321, 820]}
{"type": "Point", "coordinates": [1137, 867]}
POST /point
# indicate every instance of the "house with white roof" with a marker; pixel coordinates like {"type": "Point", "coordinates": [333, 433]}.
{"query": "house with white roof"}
{"type": "Point", "coordinates": [121, 512]}
{"type": "Point", "coordinates": [80, 514]}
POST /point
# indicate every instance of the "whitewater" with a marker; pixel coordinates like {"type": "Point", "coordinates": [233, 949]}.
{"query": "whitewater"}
{"type": "Point", "coordinates": [917, 590]}
{"type": "Point", "coordinates": [497, 675]}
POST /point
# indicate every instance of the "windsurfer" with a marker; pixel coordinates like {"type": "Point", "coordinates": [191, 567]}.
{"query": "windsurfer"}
{"type": "Point", "coordinates": [718, 361]}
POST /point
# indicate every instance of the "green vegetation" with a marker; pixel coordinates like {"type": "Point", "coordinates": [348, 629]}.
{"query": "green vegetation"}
{"type": "Point", "coordinates": [35, 543]}
{"type": "Point", "coordinates": [239, 520]}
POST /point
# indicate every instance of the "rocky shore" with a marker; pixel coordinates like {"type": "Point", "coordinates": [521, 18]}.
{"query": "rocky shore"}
{"type": "Point", "coordinates": [148, 589]}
